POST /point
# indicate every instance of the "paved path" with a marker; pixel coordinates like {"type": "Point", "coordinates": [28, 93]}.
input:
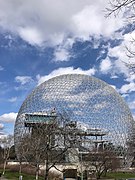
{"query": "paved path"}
{"type": "Point", "coordinates": [2, 178]}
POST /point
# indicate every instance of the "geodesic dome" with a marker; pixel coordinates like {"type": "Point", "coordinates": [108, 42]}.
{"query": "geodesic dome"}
{"type": "Point", "coordinates": [89, 101]}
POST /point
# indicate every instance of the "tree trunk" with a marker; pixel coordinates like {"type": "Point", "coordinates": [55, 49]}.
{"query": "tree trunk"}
{"type": "Point", "coordinates": [37, 171]}
{"type": "Point", "coordinates": [6, 156]}
{"type": "Point", "coordinates": [4, 167]}
{"type": "Point", "coordinates": [46, 168]}
{"type": "Point", "coordinates": [105, 172]}
{"type": "Point", "coordinates": [46, 174]}
{"type": "Point", "coordinates": [20, 168]}
{"type": "Point", "coordinates": [36, 175]}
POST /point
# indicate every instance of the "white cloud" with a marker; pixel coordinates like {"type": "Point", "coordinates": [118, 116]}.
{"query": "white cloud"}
{"type": "Point", "coordinates": [127, 88]}
{"type": "Point", "coordinates": [68, 70]}
{"type": "Point", "coordinates": [23, 79]}
{"type": "Point", "coordinates": [105, 66]}
{"type": "Point", "coordinates": [114, 87]}
{"type": "Point", "coordinates": [1, 68]}
{"type": "Point", "coordinates": [1, 126]}
{"type": "Point", "coordinates": [117, 65]}
{"type": "Point", "coordinates": [62, 52]}
{"type": "Point", "coordinates": [130, 78]}
{"type": "Point", "coordinates": [125, 95]}
{"type": "Point", "coordinates": [120, 52]}
{"type": "Point", "coordinates": [91, 21]}
{"type": "Point", "coordinates": [61, 55]}
{"type": "Point", "coordinates": [12, 99]}
{"type": "Point", "coordinates": [120, 68]}
{"type": "Point", "coordinates": [114, 77]}
{"type": "Point", "coordinates": [132, 105]}
{"type": "Point", "coordinates": [51, 23]}
{"type": "Point", "coordinates": [129, 42]}
{"type": "Point", "coordinates": [31, 35]}
{"type": "Point", "coordinates": [9, 117]}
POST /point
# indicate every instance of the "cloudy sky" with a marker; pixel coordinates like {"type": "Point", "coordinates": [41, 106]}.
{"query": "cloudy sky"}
{"type": "Point", "coordinates": [41, 40]}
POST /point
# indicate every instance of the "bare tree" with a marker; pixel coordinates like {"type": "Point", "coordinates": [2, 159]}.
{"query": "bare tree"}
{"type": "Point", "coordinates": [6, 143]}
{"type": "Point", "coordinates": [127, 7]}
{"type": "Point", "coordinates": [30, 152]}
{"type": "Point", "coordinates": [116, 6]}
{"type": "Point", "coordinates": [102, 161]}
{"type": "Point", "coordinates": [47, 143]}
{"type": "Point", "coordinates": [131, 145]}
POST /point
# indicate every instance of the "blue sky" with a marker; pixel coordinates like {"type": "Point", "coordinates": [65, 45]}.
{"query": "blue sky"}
{"type": "Point", "coordinates": [42, 40]}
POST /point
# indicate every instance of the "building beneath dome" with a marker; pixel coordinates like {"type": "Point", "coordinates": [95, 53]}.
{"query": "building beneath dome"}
{"type": "Point", "coordinates": [80, 111]}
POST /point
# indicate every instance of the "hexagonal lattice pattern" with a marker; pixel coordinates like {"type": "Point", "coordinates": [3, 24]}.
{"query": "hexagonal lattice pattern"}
{"type": "Point", "coordinates": [89, 101]}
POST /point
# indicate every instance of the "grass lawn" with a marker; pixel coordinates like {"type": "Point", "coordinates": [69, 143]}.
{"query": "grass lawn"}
{"type": "Point", "coordinates": [15, 176]}
{"type": "Point", "coordinates": [112, 175]}
{"type": "Point", "coordinates": [120, 175]}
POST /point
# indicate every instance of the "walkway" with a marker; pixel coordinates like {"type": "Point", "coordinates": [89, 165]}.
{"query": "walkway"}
{"type": "Point", "coordinates": [3, 178]}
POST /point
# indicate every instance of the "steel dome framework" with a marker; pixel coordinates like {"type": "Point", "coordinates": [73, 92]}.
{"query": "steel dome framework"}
{"type": "Point", "coordinates": [90, 102]}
